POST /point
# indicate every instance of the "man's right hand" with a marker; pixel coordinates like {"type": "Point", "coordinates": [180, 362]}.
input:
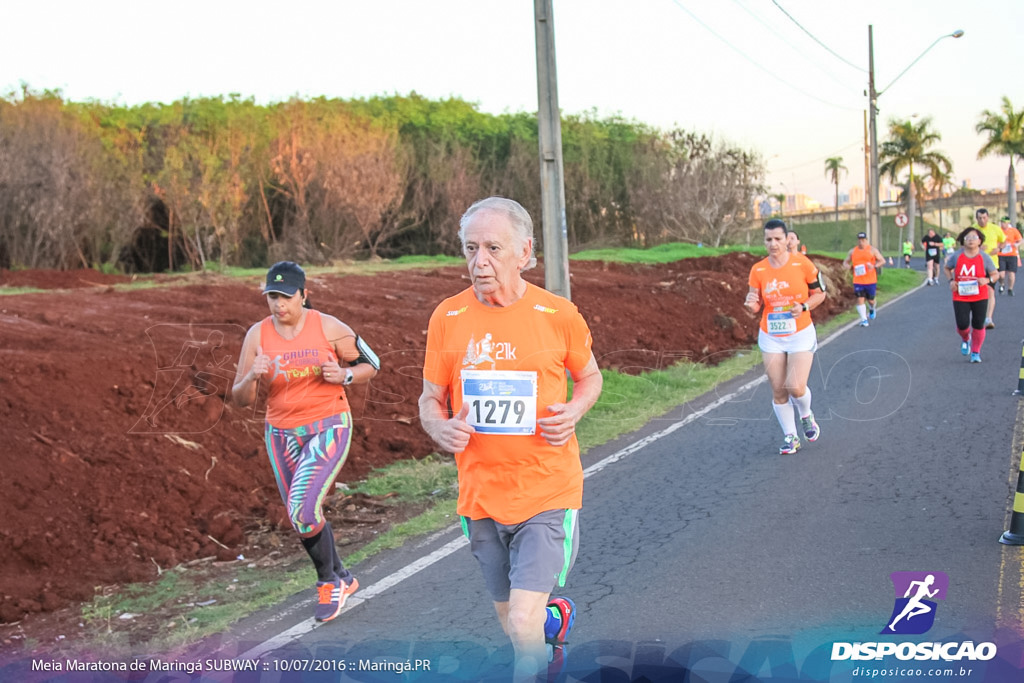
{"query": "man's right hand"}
{"type": "Point", "coordinates": [453, 435]}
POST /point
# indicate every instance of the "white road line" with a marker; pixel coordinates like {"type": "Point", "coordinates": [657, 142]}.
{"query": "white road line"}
{"type": "Point", "coordinates": [361, 596]}
{"type": "Point", "coordinates": [648, 440]}
{"type": "Point", "coordinates": [447, 549]}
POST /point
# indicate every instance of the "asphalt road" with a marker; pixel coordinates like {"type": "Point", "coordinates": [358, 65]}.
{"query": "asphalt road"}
{"type": "Point", "coordinates": [707, 549]}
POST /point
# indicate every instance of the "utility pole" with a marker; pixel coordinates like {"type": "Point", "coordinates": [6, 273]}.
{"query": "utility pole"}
{"type": "Point", "coordinates": [867, 179]}
{"type": "Point", "coordinates": [873, 94]}
{"type": "Point", "coordinates": [552, 181]}
{"type": "Point", "coordinates": [875, 232]}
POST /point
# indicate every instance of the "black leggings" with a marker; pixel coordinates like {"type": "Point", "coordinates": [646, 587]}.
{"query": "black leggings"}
{"type": "Point", "coordinates": [970, 313]}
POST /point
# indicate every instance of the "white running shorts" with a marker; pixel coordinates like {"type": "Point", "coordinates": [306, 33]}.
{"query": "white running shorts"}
{"type": "Point", "coordinates": [804, 340]}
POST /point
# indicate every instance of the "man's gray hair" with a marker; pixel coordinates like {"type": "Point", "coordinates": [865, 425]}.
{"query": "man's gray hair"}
{"type": "Point", "coordinates": [518, 217]}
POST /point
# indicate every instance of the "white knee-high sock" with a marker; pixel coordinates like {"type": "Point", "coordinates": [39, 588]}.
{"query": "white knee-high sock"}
{"type": "Point", "coordinates": [784, 413]}
{"type": "Point", "coordinates": [862, 311]}
{"type": "Point", "coordinates": [803, 403]}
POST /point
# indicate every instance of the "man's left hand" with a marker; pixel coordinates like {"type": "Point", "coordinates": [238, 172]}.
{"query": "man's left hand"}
{"type": "Point", "coordinates": [559, 427]}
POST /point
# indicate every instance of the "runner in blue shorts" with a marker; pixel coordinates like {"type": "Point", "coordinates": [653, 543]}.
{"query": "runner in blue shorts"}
{"type": "Point", "coordinates": [863, 261]}
{"type": "Point", "coordinates": [866, 292]}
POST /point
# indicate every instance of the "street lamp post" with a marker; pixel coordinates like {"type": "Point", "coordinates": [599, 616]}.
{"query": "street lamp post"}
{"type": "Point", "coordinates": [875, 216]}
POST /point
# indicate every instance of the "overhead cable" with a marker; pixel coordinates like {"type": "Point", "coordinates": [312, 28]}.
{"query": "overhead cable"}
{"type": "Point", "coordinates": [817, 160]}
{"type": "Point", "coordinates": [785, 40]}
{"type": "Point", "coordinates": [758, 65]}
{"type": "Point", "coordinates": [830, 50]}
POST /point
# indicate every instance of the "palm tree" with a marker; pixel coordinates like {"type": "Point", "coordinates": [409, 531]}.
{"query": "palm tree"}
{"type": "Point", "coordinates": [921, 191]}
{"type": "Point", "coordinates": [833, 165]}
{"type": "Point", "coordinates": [907, 145]}
{"type": "Point", "coordinates": [781, 199]}
{"type": "Point", "coordinates": [1005, 137]}
{"type": "Point", "coordinates": [937, 184]}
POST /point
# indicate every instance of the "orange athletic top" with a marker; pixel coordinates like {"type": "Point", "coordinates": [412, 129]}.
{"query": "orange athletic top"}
{"type": "Point", "coordinates": [1011, 242]}
{"type": "Point", "coordinates": [512, 363]}
{"type": "Point", "coordinates": [862, 261]}
{"type": "Point", "coordinates": [781, 288]}
{"type": "Point", "coordinates": [298, 396]}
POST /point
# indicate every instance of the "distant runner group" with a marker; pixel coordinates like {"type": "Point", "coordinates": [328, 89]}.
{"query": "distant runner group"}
{"type": "Point", "coordinates": [785, 286]}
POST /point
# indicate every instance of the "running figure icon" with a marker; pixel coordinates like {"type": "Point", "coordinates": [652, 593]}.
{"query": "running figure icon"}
{"type": "Point", "coordinates": [915, 606]}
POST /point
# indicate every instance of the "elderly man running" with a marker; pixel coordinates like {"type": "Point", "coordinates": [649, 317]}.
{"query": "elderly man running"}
{"type": "Point", "coordinates": [512, 431]}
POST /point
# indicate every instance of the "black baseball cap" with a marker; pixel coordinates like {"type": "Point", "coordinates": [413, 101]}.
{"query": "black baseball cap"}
{"type": "Point", "coordinates": [862, 235]}
{"type": "Point", "coordinates": [285, 277]}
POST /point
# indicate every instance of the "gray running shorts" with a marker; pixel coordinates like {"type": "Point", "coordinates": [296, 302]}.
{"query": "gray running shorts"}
{"type": "Point", "coordinates": [535, 555]}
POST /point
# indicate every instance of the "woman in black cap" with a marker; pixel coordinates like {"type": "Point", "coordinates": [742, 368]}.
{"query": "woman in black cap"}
{"type": "Point", "coordinates": [307, 358]}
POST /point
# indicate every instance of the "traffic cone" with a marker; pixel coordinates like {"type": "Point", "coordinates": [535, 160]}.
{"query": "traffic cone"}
{"type": "Point", "coordinates": [1015, 534]}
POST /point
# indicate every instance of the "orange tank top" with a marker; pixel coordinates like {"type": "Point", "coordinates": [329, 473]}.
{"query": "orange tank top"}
{"type": "Point", "coordinates": [298, 395]}
{"type": "Point", "coordinates": [862, 261]}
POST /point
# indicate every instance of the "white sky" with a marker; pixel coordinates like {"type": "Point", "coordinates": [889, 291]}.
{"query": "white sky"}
{"type": "Point", "coordinates": [648, 60]}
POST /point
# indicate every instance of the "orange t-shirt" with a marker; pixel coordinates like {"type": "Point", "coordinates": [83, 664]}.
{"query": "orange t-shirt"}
{"type": "Point", "coordinates": [781, 288]}
{"type": "Point", "coordinates": [512, 363]}
{"type": "Point", "coordinates": [298, 395]}
{"type": "Point", "coordinates": [1011, 243]}
{"type": "Point", "coordinates": [862, 261]}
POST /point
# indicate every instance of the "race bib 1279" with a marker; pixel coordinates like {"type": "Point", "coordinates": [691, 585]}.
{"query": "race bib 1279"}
{"type": "Point", "coordinates": [501, 401]}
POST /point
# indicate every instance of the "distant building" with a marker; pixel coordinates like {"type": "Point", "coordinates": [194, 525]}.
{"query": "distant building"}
{"type": "Point", "coordinates": [856, 196]}
{"type": "Point", "coordinates": [796, 203]}
{"type": "Point", "coordinates": [888, 193]}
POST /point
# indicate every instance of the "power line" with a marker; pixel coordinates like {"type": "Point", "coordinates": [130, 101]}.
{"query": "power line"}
{"type": "Point", "coordinates": [818, 160]}
{"type": "Point", "coordinates": [758, 65]}
{"type": "Point", "coordinates": [785, 40]}
{"type": "Point", "coordinates": [830, 50]}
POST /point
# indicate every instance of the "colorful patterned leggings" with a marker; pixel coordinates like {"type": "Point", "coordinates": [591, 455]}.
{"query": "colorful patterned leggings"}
{"type": "Point", "coordinates": [306, 461]}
